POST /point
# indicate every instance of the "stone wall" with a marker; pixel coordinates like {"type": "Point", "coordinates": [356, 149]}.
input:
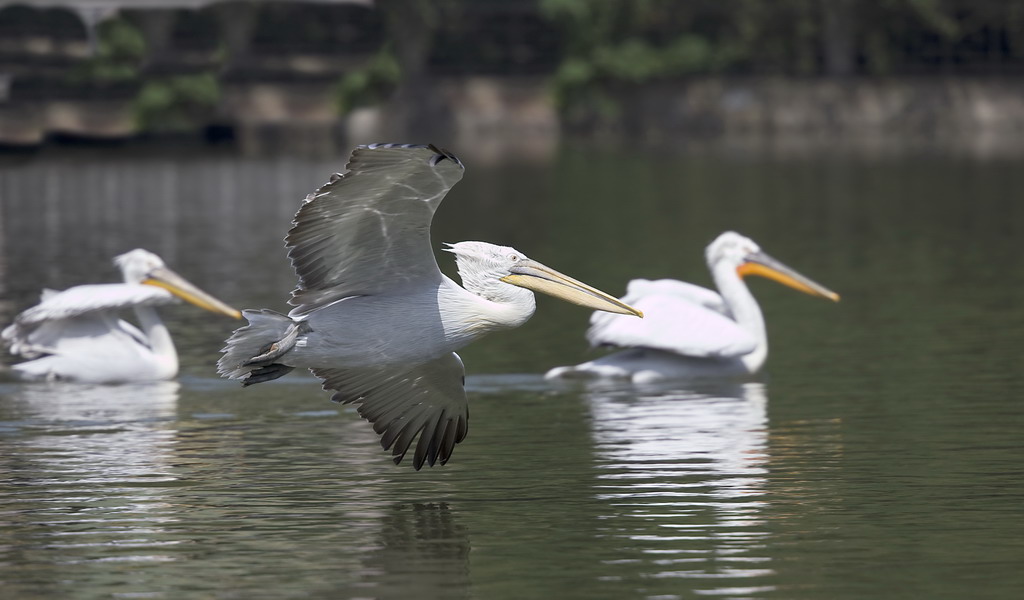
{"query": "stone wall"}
{"type": "Point", "coordinates": [499, 112]}
{"type": "Point", "coordinates": [769, 106]}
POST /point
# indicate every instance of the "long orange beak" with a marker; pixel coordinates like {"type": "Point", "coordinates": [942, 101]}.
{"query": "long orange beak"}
{"type": "Point", "coordinates": [762, 265]}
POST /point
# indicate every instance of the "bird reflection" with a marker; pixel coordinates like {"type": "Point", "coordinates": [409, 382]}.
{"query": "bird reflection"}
{"type": "Point", "coordinates": [423, 553]}
{"type": "Point", "coordinates": [96, 433]}
{"type": "Point", "coordinates": [683, 472]}
{"type": "Point", "coordinates": [96, 460]}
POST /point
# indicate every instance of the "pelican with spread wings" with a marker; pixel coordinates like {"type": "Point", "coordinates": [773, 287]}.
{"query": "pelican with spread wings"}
{"type": "Point", "coordinates": [375, 318]}
{"type": "Point", "coordinates": [77, 335]}
{"type": "Point", "coordinates": [689, 331]}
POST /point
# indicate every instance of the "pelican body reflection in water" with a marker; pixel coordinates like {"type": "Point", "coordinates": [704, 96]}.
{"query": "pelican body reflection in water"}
{"type": "Point", "coordinates": [684, 474]}
{"type": "Point", "coordinates": [76, 335]}
{"type": "Point", "coordinates": [689, 331]}
{"type": "Point", "coordinates": [96, 434]}
{"type": "Point", "coordinates": [375, 318]}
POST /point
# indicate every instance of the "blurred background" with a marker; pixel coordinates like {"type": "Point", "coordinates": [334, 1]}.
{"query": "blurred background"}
{"type": "Point", "coordinates": [313, 75]}
{"type": "Point", "coordinates": [874, 146]}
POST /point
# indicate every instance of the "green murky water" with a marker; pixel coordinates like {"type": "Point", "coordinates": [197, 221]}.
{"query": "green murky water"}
{"type": "Point", "coordinates": [880, 454]}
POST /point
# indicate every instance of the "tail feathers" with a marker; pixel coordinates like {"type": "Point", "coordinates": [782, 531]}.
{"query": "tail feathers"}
{"type": "Point", "coordinates": [268, 336]}
{"type": "Point", "coordinates": [267, 373]}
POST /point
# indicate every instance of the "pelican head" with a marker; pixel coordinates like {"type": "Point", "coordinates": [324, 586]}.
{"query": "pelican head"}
{"type": "Point", "coordinates": [747, 258]}
{"type": "Point", "coordinates": [143, 267]}
{"type": "Point", "coordinates": [495, 272]}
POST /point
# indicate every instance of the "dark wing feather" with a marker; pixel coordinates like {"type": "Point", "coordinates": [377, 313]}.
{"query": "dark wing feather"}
{"type": "Point", "coordinates": [428, 400]}
{"type": "Point", "coordinates": [368, 230]}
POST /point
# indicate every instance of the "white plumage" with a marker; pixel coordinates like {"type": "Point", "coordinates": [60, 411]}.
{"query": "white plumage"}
{"type": "Point", "coordinates": [689, 331]}
{"type": "Point", "coordinates": [77, 334]}
{"type": "Point", "coordinates": [670, 305]}
{"type": "Point", "coordinates": [375, 318]}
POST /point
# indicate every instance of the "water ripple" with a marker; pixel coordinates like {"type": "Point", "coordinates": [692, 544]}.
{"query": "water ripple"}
{"type": "Point", "coordinates": [685, 472]}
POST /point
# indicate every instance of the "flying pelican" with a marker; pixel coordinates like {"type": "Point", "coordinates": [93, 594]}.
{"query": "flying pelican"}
{"type": "Point", "coordinates": [76, 335]}
{"type": "Point", "coordinates": [375, 318]}
{"type": "Point", "coordinates": [689, 331]}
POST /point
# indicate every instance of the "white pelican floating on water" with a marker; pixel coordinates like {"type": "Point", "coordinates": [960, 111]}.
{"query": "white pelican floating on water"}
{"type": "Point", "coordinates": [76, 335]}
{"type": "Point", "coordinates": [689, 331]}
{"type": "Point", "coordinates": [375, 319]}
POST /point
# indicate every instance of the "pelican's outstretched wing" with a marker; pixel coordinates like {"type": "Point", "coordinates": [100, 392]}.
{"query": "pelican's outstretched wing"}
{"type": "Point", "coordinates": [77, 302]}
{"type": "Point", "coordinates": [428, 400]}
{"type": "Point", "coordinates": [368, 230]}
{"type": "Point", "coordinates": [678, 317]}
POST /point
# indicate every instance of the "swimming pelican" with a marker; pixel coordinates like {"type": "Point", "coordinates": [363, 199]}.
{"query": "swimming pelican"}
{"type": "Point", "coordinates": [689, 331]}
{"type": "Point", "coordinates": [76, 335]}
{"type": "Point", "coordinates": [375, 319]}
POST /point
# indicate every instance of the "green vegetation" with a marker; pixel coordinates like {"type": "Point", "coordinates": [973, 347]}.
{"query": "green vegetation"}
{"type": "Point", "coordinates": [120, 49]}
{"type": "Point", "coordinates": [594, 52]}
{"type": "Point", "coordinates": [176, 104]}
{"type": "Point", "coordinates": [370, 85]}
{"type": "Point", "coordinates": [612, 45]}
{"type": "Point", "coordinates": [615, 44]}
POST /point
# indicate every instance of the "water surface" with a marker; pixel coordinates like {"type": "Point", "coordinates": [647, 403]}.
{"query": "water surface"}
{"type": "Point", "coordinates": [879, 455]}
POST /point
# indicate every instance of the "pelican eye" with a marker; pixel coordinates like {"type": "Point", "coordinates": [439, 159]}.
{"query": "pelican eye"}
{"type": "Point", "coordinates": [513, 257]}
